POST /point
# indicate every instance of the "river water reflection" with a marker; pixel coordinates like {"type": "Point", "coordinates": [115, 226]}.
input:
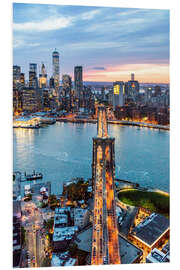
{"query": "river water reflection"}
{"type": "Point", "coordinates": [64, 150]}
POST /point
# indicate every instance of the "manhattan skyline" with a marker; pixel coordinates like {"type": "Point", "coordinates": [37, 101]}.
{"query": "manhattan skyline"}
{"type": "Point", "coordinates": [110, 43]}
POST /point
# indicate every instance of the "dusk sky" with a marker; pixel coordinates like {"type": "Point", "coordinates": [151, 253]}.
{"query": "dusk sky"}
{"type": "Point", "coordinates": [110, 43]}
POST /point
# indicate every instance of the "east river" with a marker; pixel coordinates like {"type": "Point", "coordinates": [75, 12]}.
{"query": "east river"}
{"type": "Point", "coordinates": [64, 150]}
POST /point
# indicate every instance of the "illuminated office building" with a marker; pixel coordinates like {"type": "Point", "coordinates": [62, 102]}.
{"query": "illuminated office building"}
{"type": "Point", "coordinates": [33, 75]}
{"type": "Point", "coordinates": [29, 99]}
{"type": "Point", "coordinates": [22, 79]}
{"type": "Point", "coordinates": [43, 77]}
{"type": "Point", "coordinates": [118, 94]}
{"type": "Point", "coordinates": [16, 75]}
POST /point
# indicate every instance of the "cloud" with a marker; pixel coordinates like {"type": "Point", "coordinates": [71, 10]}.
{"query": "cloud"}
{"type": "Point", "coordinates": [90, 15]}
{"type": "Point", "coordinates": [97, 38]}
{"type": "Point", "coordinates": [20, 43]}
{"type": "Point", "coordinates": [143, 72]}
{"type": "Point", "coordinates": [54, 21]}
{"type": "Point", "coordinates": [99, 68]}
{"type": "Point", "coordinates": [95, 45]}
{"type": "Point", "coordinates": [46, 25]}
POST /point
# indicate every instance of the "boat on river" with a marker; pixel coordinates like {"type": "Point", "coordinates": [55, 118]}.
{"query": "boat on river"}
{"type": "Point", "coordinates": [33, 176]}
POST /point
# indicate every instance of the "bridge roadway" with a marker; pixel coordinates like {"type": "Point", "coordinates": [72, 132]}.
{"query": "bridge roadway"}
{"type": "Point", "coordinates": [97, 244]}
{"type": "Point", "coordinates": [105, 244]}
{"type": "Point", "coordinates": [102, 125]}
{"type": "Point", "coordinates": [113, 246]}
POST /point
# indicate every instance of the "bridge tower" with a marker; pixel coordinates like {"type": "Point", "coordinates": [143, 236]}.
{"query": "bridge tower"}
{"type": "Point", "coordinates": [105, 243]}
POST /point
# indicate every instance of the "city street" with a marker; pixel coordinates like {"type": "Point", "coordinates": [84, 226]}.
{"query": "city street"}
{"type": "Point", "coordinates": [127, 221]}
{"type": "Point", "coordinates": [32, 220]}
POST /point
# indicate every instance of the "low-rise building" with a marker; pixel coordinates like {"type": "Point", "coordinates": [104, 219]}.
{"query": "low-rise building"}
{"type": "Point", "coordinates": [81, 217]}
{"type": "Point", "coordinates": [166, 248]}
{"type": "Point", "coordinates": [62, 259]}
{"type": "Point", "coordinates": [151, 233]}
{"type": "Point", "coordinates": [129, 253]}
{"type": "Point", "coordinates": [63, 236]}
{"type": "Point", "coordinates": [60, 220]}
{"type": "Point", "coordinates": [63, 231]}
{"type": "Point", "coordinates": [62, 217]}
{"type": "Point", "coordinates": [157, 256]}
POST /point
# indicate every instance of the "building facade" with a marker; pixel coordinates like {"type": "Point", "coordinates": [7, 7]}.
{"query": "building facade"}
{"type": "Point", "coordinates": [33, 81]}
{"type": "Point", "coordinates": [118, 94]}
{"type": "Point", "coordinates": [43, 77]}
{"type": "Point", "coordinates": [56, 70]}
{"type": "Point", "coordinates": [151, 233]}
{"type": "Point", "coordinates": [29, 99]}
{"type": "Point", "coordinates": [16, 75]}
{"type": "Point", "coordinates": [78, 82]}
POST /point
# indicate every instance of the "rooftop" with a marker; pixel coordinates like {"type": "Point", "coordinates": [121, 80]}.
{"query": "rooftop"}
{"type": "Point", "coordinates": [64, 233]}
{"type": "Point", "coordinates": [79, 212]}
{"type": "Point", "coordinates": [70, 262]}
{"type": "Point", "coordinates": [62, 210]}
{"type": "Point", "coordinates": [128, 252]}
{"type": "Point", "coordinates": [62, 259]}
{"type": "Point", "coordinates": [166, 248]}
{"type": "Point", "coordinates": [84, 239]}
{"type": "Point", "coordinates": [60, 219]}
{"type": "Point", "coordinates": [151, 228]}
{"type": "Point", "coordinates": [157, 256]}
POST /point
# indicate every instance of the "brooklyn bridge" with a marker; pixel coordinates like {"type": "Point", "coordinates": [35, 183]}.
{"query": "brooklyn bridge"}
{"type": "Point", "coordinates": [105, 245]}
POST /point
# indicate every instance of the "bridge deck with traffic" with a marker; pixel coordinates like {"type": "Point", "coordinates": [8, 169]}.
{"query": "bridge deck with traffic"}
{"type": "Point", "coordinates": [105, 243]}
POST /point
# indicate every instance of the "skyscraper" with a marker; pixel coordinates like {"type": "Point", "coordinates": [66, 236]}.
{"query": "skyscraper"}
{"type": "Point", "coordinates": [51, 83]}
{"type": "Point", "coordinates": [133, 87]}
{"type": "Point", "coordinates": [67, 91]}
{"type": "Point", "coordinates": [66, 84]}
{"type": "Point", "coordinates": [78, 80]}
{"type": "Point", "coordinates": [16, 75]}
{"type": "Point", "coordinates": [43, 77]}
{"type": "Point", "coordinates": [33, 67]}
{"type": "Point", "coordinates": [33, 75]}
{"type": "Point", "coordinates": [118, 94]}
{"type": "Point", "coordinates": [56, 70]}
{"type": "Point", "coordinates": [22, 79]}
{"type": "Point", "coordinates": [132, 76]}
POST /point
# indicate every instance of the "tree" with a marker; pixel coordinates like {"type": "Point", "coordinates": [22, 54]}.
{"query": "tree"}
{"type": "Point", "coordinates": [52, 200]}
{"type": "Point", "coordinates": [73, 249]}
{"type": "Point", "coordinates": [48, 224]}
{"type": "Point", "coordinates": [28, 197]}
{"type": "Point", "coordinates": [23, 232]}
{"type": "Point", "coordinates": [46, 262]}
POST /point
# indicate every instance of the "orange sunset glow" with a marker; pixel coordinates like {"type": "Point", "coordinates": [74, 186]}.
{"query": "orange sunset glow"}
{"type": "Point", "coordinates": [145, 73]}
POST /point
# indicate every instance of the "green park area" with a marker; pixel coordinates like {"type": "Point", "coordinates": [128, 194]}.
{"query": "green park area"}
{"type": "Point", "coordinates": [154, 201]}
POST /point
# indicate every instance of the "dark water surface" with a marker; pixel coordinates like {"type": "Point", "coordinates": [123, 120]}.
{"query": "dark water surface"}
{"type": "Point", "coordinates": [64, 150]}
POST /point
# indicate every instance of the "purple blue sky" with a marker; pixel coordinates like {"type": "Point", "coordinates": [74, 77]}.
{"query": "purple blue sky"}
{"type": "Point", "coordinates": [110, 43]}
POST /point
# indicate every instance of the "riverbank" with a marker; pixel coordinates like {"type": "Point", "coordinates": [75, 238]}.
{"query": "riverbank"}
{"type": "Point", "coordinates": [114, 122]}
{"type": "Point", "coordinates": [155, 201]}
